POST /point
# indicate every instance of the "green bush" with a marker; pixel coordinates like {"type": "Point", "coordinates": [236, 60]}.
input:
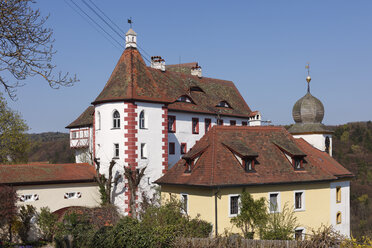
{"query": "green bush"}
{"type": "Point", "coordinates": [47, 222]}
{"type": "Point", "coordinates": [159, 227]}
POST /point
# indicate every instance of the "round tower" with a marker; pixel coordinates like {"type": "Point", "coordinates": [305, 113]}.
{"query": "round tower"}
{"type": "Point", "coordinates": [308, 113]}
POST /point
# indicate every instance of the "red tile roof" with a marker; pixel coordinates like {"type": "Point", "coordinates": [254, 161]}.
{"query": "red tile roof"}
{"type": "Point", "coordinates": [46, 173]}
{"type": "Point", "coordinates": [218, 166]}
{"type": "Point", "coordinates": [132, 79]}
{"type": "Point", "coordinates": [85, 119]}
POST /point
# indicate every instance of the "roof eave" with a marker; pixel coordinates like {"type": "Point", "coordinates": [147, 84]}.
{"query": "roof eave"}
{"type": "Point", "coordinates": [51, 182]}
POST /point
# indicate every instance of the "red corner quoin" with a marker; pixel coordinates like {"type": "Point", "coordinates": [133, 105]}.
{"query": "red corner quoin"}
{"type": "Point", "coordinates": [165, 140]}
{"type": "Point", "coordinates": [130, 143]}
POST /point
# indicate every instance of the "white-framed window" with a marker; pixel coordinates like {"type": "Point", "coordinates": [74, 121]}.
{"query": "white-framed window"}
{"type": "Point", "coordinates": [299, 200]}
{"type": "Point", "coordinates": [299, 234]}
{"type": "Point", "coordinates": [142, 120]}
{"type": "Point", "coordinates": [116, 150]}
{"type": "Point", "coordinates": [274, 202]}
{"type": "Point", "coordinates": [234, 205]}
{"type": "Point", "coordinates": [72, 195]}
{"type": "Point", "coordinates": [98, 125]}
{"type": "Point", "coordinates": [29, 197]}
{"type": "Point", "coordinates": [185, 202]}
{"type": "Point", "coordinates": [143, 151]}
{"type": "Point", "coordinates": [116, 119]}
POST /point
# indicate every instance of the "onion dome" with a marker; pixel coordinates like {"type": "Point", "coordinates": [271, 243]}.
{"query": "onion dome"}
{"type": "Point", "coordinates": [308, 113]}
{"type": "Point", "coordinates": [308, 109]}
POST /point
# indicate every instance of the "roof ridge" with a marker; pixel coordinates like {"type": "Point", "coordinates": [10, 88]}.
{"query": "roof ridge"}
{"type": "Point", "coordinates": [213, 154]}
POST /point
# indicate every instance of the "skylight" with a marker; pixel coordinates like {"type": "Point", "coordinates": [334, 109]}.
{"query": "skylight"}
{"type": "Point", "coordinates": [223, 104]}
{"type": "Point", "coordinates": [184, 99]}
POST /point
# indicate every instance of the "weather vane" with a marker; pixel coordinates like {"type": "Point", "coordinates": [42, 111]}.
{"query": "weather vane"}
{"type": "Point", "coordinates": [308, 78]}
{"type": "Point", "coordinates": [130, 22]}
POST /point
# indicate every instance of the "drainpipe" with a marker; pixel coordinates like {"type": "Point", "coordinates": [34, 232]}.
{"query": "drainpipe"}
{"type": "Point", "coordinates": [216, 212]}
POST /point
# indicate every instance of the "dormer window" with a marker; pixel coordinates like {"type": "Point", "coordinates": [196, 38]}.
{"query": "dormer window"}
{"type": "Point", "coordinates": [189, 164]}
{"type": "Point", "coordinates": [248, 164]}
{"type": "Point", "coordinates": [297, 163]}
{"type": "Point", "coordinates": [196, 89]}
{"type": "Point", "coordinates": [184, 99]}
{"type": "Point", "coordinates": [223, 104]}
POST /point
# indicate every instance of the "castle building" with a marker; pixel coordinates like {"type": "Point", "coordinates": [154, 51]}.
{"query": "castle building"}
{"type": "Point", "coordinates": [295, 171]}
{"type": "Point", "coordinates": [150, 116]}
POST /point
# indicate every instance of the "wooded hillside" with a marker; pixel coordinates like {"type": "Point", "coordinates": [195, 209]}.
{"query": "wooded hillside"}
{"type": "Point", "coordinates": [50, 147]}
{"type": "Point", "coordinates": [352, 147]}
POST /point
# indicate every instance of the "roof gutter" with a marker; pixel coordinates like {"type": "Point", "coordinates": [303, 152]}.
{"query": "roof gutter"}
{"type": "Point", "coordinates": [250, 184]}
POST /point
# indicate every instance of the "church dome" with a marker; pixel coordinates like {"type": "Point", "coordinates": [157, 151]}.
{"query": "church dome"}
{"type": "Point", "coordinates": [308, 109]}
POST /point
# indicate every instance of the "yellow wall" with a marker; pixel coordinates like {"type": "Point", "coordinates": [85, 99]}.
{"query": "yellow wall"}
{"type": "Point", "coordinates": [201, 201]}
{"type": "Point", "coordinates": [52, 195]}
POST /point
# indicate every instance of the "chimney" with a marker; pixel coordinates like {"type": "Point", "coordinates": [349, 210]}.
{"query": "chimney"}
{"type": "Point", "coordinates": [158, 63]}
{"type": "Point", "coordinates": [196, 70]}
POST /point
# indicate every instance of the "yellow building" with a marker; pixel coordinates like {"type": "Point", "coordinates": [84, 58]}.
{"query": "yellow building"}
{"type": "Point", "coordinates": [267, 162]}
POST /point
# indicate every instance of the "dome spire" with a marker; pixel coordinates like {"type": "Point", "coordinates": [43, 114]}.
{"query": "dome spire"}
{"type": "Point", "coordinates": [308, 78]}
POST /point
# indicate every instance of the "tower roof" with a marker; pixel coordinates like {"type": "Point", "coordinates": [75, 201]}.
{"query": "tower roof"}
{"type": "Point", "coordinates": [132, 79]}
{"type": "Point", "coordinates": [131, 32]}
{"type": "Point", "coordinates": [308, 114]}
{"type": "Point", "coordinates": [308, 109]}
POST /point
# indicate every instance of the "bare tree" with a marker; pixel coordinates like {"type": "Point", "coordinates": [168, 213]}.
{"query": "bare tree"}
{"type": "Point", "coordinates": [105, 184]}
{"type": "Point", "coordinates": [26, 47]}
{"type": "Point", "coordinates": [134, 177]}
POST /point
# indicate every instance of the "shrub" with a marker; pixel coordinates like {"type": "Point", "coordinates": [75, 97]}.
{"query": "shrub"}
{"type": "Point", "coordinates": [280, 225]}
{"type": "Point", "coordinates": [47, 222]}
{"type": "Point", "coordinates": [253, 213]}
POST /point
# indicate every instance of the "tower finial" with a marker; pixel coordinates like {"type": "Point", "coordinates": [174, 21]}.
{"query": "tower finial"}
{"type": "Point", "coordinates": [130, 21]}
{"type": "Point", "coordinates": [308, 78]}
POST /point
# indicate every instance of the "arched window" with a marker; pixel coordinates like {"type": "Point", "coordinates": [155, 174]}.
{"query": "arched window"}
{"type": "Point", "coordinates": [98, 120]}
{"type": "Point", "coordinates": [116, 119]}
{"type": "Point", "coordinates": [327, 144]}
{"type": "Point", "coordinates": [338, 218]}
{"type": "Point", "coordinates": [142, 120]}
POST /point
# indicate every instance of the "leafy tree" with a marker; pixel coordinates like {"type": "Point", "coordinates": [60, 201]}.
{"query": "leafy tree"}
{"type": "Point", "coordinates": [13, 139]}
{"type": "Point", "coordinates": [26, 47]}
{"type": "Point", "coordinates": [47, 222]}
{"type": "Point", "coordinates": [253, 213]}
{"type": "Point", "coordinates": [8, 208]}
{"type": "Point", "coordinates": [280, 225]}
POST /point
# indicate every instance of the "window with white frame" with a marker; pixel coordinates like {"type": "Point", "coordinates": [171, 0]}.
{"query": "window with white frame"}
{"type": "Point", "coordinates": [274, 202]}
{"type": "Point", "coordinates": [143, 151]}
{"type": "Point", "coordinates": [29, 197]}
{"type": "Point", "coordinates": [299, 200]}
{"type": "Point", "coordinates": [185, 202]}
{"type": "Point", "coordinates": [233, 205]}
{"type": "Point", "coordinates": [142, 120]}
{"type": "Point", "coordinates": [72, 195]}
{"type": "Point", "coordinates": [299, 234]}
{"type": "Point", "coordinates": [116, 150]}
{"type": "Point", "coordinates": [116, 119]}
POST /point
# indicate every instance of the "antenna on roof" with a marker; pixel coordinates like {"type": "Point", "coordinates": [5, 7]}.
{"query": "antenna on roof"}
{"type": "Point", "coordinates": [130, 21]}
{"type": "Point", "coordinates": [308, 78]}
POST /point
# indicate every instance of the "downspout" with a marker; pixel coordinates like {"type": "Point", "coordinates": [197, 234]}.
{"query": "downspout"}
{"type": "Point", "coordinates": [216, 212]}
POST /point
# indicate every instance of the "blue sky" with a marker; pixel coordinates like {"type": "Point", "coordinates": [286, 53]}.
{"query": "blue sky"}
{"type": "Point", "coordinates": [262, 46]}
